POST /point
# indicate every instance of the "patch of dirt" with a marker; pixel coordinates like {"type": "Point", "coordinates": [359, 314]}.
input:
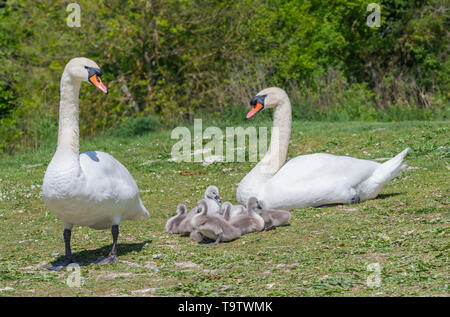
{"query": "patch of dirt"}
{"type": "Point", "coordinates": [116, 275]}
{"type": "Point", "coordinates": [6, 289]}
{"type": "Point", "coordinates": [187, 173]}
{"type": "Point", "coordinates": [291, 265]}
{"type": "Point", "coordinates": [143, 291]}
{"type": "Point", "coordinates": [31, 165]}
{"type": "Point", "coordinates": [188, 265]}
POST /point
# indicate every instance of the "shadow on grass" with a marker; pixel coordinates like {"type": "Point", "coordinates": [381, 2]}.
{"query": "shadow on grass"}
{"type": "Point", "coordinates": [87, 257]}
{"type": "Point", "coordinates": [384, 196]}
{"type": "Point", "coordinates": [380, 196]}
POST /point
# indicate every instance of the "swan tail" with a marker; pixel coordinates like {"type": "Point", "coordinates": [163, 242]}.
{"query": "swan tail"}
{"type": "Point", "coordinates": [142, 211]}
{"type": "Point", "coordinates": [388, 170]}
{"type": "Point", "coordinates": [372, 186]}
{"type": "Point", "coordinates": [138, 212]}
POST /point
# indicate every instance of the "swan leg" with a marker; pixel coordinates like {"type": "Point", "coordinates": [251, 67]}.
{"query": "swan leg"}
{"type": "Point", "coordinates": [270, 225]}
{"type": "Point", "coordinates": [354, 200]}
{"type": "Point", "coordinates": [200, 237]}
{"type": "Point", "coordinates": [219, 238]}
{"type": "Point", "coordinates": [68, 258]}
{"type": "Point", "coordinates": [112, 257]}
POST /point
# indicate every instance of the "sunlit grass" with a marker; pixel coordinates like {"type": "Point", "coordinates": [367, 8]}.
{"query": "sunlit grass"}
{"type": "Point", "coordinates": [323, 251]}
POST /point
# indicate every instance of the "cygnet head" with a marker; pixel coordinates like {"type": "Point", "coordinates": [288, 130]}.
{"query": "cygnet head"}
{"type": "Point", "coordinates": [212, 192]}
{"type": "Point", "coordinates": [202, 207]}
{"type": "Point", "coordinates": [84, 69]}
{"type": "Point", "coordinates": [262, 204]}
{"type": "Point", "coordinates": [173, 224]}
{"type": "Point", "coordinates": [225, 211]}
{"type": "Point", "coordinates": [181, 209]}
{"type": "Point", "coordinates": [225, 206]}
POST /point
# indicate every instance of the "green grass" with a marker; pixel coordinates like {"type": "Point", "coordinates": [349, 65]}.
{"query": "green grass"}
{"type": "Point", "coordinates": [324, 252]}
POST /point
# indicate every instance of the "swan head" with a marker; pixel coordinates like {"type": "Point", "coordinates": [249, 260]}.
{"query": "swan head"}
{"type": "Point", "coordinates": [267, 98]}
{"type": "Point", "coordinates": [252, 204]}
{"type": "Point", "coordinates": [212, 192]}
{"type": "Point", "coordinates": [84, 69]}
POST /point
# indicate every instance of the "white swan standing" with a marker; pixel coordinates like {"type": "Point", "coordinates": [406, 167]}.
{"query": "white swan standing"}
{"type": "Point", "coordinates": [313, 179]}
{"type": "Point", "coordinates": [89, 189]}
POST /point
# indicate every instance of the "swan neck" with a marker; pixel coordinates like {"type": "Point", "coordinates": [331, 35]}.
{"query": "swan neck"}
{"type": "Point", "coordinates": [68, 132]}
{"type": "Point", "coordinates": [279, 141]}
{"type": "Point", "coordinates": [253, 183]}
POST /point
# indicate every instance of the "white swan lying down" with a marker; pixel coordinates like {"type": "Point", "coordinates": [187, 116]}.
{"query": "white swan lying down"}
{"type": "Point", "coordinates": [90, 189]}
{"type": "Point", "coordinates": [308, 180]}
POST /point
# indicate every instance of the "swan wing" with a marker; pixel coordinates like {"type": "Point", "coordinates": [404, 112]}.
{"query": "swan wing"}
{"type": "Point", "coordinates": [108, 179]}
{"type": "Point", "coordinates": [316, 179]}
{"type": "Point", "coordinates": [104, 193]}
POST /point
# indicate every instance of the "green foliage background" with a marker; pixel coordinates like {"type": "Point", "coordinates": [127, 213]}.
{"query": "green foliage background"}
{"type": "Point", "coordinates": [178, 59]}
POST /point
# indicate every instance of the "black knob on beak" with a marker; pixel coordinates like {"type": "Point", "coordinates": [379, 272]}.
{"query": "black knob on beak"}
{"type": "Point", "coordinates": [257, 98]}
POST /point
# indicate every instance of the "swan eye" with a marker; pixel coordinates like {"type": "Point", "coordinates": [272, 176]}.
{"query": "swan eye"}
{"type": "Point", "coordinates": [258, 99]}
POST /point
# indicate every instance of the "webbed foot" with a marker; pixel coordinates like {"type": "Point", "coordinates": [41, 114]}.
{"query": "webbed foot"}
{"type": "Point", "coordinates": [355, 200]}
{"type": "Point", "coordinates": [61, 265]}
{"type": "Point", "coordinates": [219, 238]}
{"type": "Point", "coordinates": [110, 259]}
